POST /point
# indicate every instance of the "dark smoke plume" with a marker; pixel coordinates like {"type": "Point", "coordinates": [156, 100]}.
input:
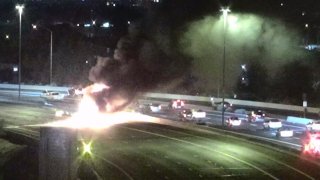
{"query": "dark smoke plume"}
{"type": "Point", "coordinates": [147, 57]}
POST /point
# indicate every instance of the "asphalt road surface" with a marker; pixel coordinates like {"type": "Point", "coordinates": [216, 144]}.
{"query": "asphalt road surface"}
{"type": "Point", "coordinates": [153, 151]}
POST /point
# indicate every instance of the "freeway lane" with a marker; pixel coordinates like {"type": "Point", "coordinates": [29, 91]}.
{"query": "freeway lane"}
{"type": "Point", "coordinates": [151, 151]}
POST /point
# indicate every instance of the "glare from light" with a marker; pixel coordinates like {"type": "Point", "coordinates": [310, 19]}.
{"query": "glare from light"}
{"type": "Point", "coordinates": [7, 36]}
{"type": "Point", "coordinates": [87, 148]}
{"type": "Point", "coordinates": [15, 69]}
{"type": "Point", "coordinates": [306, 25]}
{"type": "Point", "coordinates": [106, 25]}
{"type": "Point", "coordinates": [59, 113]}
{"type": "Point", "coordinates": [93, 22]}
{"type": "Point", "coordinates": [20, 8]}
{"type": "Point", "coordinates": [233, 22]}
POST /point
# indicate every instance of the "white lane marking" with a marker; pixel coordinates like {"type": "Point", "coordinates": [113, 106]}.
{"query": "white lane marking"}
{"type": "Point", "coordinates": [204, 147]}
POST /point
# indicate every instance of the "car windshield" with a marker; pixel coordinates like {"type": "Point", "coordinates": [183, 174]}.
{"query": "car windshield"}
{"type": "Point", "coordinates": [159, 89]}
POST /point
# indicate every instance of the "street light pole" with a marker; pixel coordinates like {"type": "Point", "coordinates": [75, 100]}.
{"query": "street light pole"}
{"type": "Point", "coordinates": [20, 9]}
{"type": "Point", "coordinates": [225, 12]}
{"type": "Point", "coordinates": [50, 80]}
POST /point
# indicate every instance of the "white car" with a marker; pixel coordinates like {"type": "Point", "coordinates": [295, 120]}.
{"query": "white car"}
{"type": "Point", "coordinates": [314, 126]}
{"type": "Point", "coordinates": [272, 124]}
{"type": "Point", "coordinates": [284, 132]}
{"type": "Point", "coordinates": [190, 115]}
{"type": "Point", "coordinates": [233, 121]}
{"type": "Point", "coordinates": [154, 107]}
{"type": "Point", "coordinates": [51, 95]}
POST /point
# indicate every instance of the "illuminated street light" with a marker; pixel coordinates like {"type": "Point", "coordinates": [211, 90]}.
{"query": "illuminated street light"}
{"type": "Point", "coordinates": [34, 26]}
{"type": "Point", "coordinates": [20, 10]}
{"type": "Point", "coordinates": [225, 12]}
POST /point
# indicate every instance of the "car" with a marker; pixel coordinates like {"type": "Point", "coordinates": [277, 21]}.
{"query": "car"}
{"type": "Point", "coordinates": [233, 121]}
{"type": "Point", "coordinates": [284, 132]}
{"type": "Point", "coordinates": [149, 108]}
{"type": "Point", "coordinates": [185, 114]}
{"type": "Point", "coordinates": [314, 126]}
{"type": "Point", "coordinates": [192, 115]}
{"type": "Point", "coordinates": [155, 107]}
{"type": "Point", "coordinates": [258, 115]}
{"type": "Point", "coordinates": [312, 144]}
{"type": "Point", "coordinates": [218, 106]}
{"type": "Point", "coordinates": [272, 124]}
{"type": "Point", "coordinates": [176, 104]}
{"type": "Point", "coordinates": [51, 95]}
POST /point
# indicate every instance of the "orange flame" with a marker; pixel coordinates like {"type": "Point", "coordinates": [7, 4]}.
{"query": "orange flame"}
{"type": "Point", "coordinates": [89, 116]}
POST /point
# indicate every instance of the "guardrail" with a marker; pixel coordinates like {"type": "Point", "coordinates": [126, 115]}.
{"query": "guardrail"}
{"type": "Point", "coordinates": [177, 96]}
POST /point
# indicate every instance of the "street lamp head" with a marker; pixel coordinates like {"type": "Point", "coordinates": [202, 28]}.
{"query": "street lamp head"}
{"type": "Point", "coordinates": [20, 8]}
{"type": "Point", "coordinates": [225, 11]}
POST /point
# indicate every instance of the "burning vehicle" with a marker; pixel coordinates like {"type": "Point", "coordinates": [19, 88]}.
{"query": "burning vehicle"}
{"type": "Point", "coordinates": [312, 144]}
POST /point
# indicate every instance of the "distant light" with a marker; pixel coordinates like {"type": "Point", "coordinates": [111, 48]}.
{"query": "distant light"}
{"type": "Point", "coordinates": [87, 25]}
{"type": "Point", "coordinates": [78, 25]}
{"type": "Point", "coordinates": [34, 26]}
{"type": "Point", "coordinates": [87, 62]}
{"type": "Point", "coordinates": [303, 13]}
{"type": "Point", "coordinates": [106, 25]}
{"type": "Point", "coordinates": [107, 3]}
{"type": "Point", "coordinates": [15, 69]}
{"type": "Point", "coordinates": [93, 22]}
{"type": "Point", "coordinates": [281, 4]}
{"type": "Point", "coordinates": [7, 36]}
{"type": "Point", "coordinates": [114, 5]}
{"type": "Point", "coordinates": [129, 22]}
{"type": "Point", "coordinates": [306, 25]}
{"type": "Point", "coordinates": [243, 66]}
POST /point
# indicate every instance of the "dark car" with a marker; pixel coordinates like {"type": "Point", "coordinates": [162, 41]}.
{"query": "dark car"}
{"type": "Point", "coordinates": [218, 106]}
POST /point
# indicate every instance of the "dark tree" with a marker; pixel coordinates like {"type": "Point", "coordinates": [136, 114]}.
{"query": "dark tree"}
{"type": "Point", "coordinates": [291, 81]}
{"type": "Point", "coordinates": [255, 86]}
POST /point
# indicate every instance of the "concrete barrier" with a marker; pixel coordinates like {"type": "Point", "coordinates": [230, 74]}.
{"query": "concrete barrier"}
{"type": "Point", "coordinates": [34, 88]}
{"type": "Point", "coordinates": [263, 105]}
